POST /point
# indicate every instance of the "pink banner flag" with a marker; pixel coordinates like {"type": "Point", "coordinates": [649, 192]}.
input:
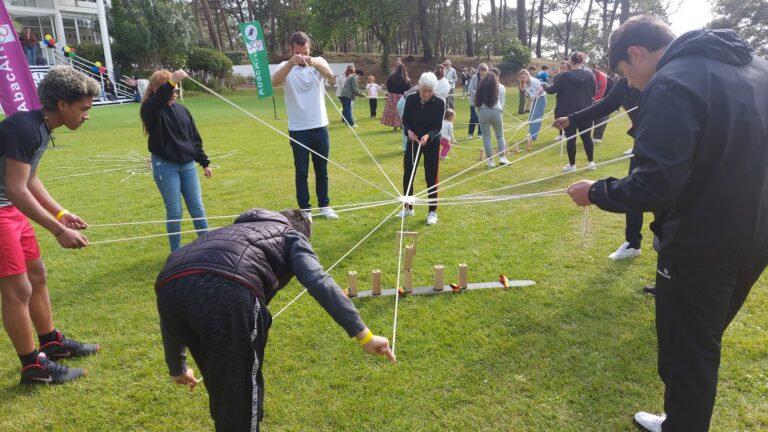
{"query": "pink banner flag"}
{"type": "Point", "coordinates": [17, 88]}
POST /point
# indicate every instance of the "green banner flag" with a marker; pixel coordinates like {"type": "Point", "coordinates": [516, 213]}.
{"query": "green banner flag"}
{"type": "Point", "coordinates": [253, 37]}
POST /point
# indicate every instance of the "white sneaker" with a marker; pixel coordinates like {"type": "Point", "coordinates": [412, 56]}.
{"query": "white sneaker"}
{"type": "Point", "coordinates": [650, 422]}
{"type": "Point", "coordinates": [308, 214]}
{"type": "Point", "coordinates": [469, 136]}
{"type": "Point", "coordinates": [504, 161]}
{"type": "Point", "coordinates": [627, 152]}
{"type": "Point", "coordinates": [405, 213]}
{"type": "Point", "coordinates": [491, 163]}
{"type": "Point", "coordinates": [328, 213]}
{"type": "Point", "coordinates": [569, 168]}
{"type": "Point", "coordinates": [624, 251]}
{"type": "Point", "coordinates": [432, 218]}
{"type": "Point", "coordinates": [591, 166]}
{"type": "Point", "coordinates": [597, 140]}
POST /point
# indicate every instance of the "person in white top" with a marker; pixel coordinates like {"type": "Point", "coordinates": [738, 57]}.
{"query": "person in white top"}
{"type": "Point", "coordinates": [303, 79]}
{"type": "Point", "coordinates": [534, 90]}
{"type": "Point", "coordinates": [452, 77]}
{"type": "Point", "coordinates": [489, 100]}
{"type": "Point", "coordinates": [443, 87]}
{"type": "Point", "coordinates": [446, 134]}
{"type": "Point", "coordinates": [373, 94]}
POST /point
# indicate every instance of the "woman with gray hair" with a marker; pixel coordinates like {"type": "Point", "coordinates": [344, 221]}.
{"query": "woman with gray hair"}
{"type": "Point", "coordinates": [66, 96]}
{"type": "Point", "coordinates": [422, 122]}
{"type": "Point", "coordinates": [489, 101]}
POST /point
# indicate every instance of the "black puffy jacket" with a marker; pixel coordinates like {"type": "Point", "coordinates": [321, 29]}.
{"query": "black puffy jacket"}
{"type": "Point", "coordinates": [701, 151]}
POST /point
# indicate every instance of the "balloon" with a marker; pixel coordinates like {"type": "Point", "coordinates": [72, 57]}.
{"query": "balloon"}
{"type": "Point", "coordinates": [52, 41]}
{"type": "Point", "coordinates": [46, 42]}
{"type": "Point", "coordinates": [94, 69]}
{"type": "Point", "coordinates": [72, 50]}
{"type": "Point", "coordinates": [67, 49]}
{"type": "Point", "coordinates": [98, 63]}
{"type": "Point", "coordinates": [72, 54]}
{"type": "Point", "coordinates": [48, 36]}
{"type": "Point", "coordinates": [102, 69]}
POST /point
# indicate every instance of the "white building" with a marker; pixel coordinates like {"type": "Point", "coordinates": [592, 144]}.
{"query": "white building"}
{"type": "Point", "coordinates": [70, 22]}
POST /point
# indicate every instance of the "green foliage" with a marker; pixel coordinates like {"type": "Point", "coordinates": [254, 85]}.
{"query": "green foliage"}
{"type": "Point", "coordinates": [237, 57]}
{"type": "Point", "coordinates": [748, 17]}
{"type": "Point", "coordinates": [91, 52]}
{"type": "Point", "coordinates": [515, 58]}
{"type": "Point", "coordinates": [209, 63]}
{"type": "Point", "coordinates": [232, 81]}
{"type": "Point", "coordinates": [151, 34]}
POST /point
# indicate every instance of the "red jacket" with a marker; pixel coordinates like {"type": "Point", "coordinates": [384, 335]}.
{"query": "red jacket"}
{"type": "Point", "coordinates": [601, 82]}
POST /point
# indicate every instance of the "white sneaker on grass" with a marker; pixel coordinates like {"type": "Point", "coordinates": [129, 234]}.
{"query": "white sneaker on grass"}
{"type": "Point", "coordinates": [432, 218]}
{"type": "Point", "coordinates": [591, 166]}
{"type": "Point", "coordinates": [504, 161]}
{"type": "Point", "coordinates": [624, 251]}
{"type": "Point", "coordinates": [490, 163]}
{"type": "Point", "coordinates": [328, 213]}
{"type": "Point", "coordinates": [597, 140]}
{"type": "Point", "coordinates": [650, 422]}
{"type": "Point", "coordinates": [569, 168]}
{"type": "Point", "coordinates": [405, 213]}
{"type": "Point", "coordinates": [627, 152]}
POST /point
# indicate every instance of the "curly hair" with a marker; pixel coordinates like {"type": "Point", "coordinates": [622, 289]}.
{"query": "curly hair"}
{"type": "Point", "coordinates": [63, 83]}
{"type": "Point", "coordinates": [299, 221]}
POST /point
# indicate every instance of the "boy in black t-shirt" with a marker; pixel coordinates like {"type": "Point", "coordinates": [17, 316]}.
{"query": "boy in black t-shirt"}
{"type": "Point", "coordinates": [66, 96]}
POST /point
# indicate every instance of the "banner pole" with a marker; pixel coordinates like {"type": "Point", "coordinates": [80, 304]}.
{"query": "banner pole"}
{"type": "Point", "coordinates": [274, 107]}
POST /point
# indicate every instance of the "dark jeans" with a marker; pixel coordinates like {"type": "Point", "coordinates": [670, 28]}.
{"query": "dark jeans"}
{"type": "Point", "coordinates": [431, 153]}
{"type": "Point", "coordinates": [521, 103]}
{"type": "Point", "coordinates": [346, 110]}
{"type": "Point", "coordinates": [317, 140]}
{"type": "Point", "coordinates": [373, 103]}
{"type": "Point", "coordinates": [474, 121]}
{"type": "Point", "coordinates": [586, 138]}
{"type": "Point", "coordinates": [225, 329]}
{"type": "Point", "coordinates": [695, 303]}
{"type": "Point", "coordinates": [633, 231]}
{"type": "Point", "coordinates": [597, 133]}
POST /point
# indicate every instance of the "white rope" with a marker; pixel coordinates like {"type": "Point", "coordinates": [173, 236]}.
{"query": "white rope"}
{"type": "Point", "coordinates": [93, 172]}
{"type": "Point", "coordinates": [148, 236]}
{"type": "Point", "coordinates": [353, 130]}
{"type": "Point", "coordinates": [530, 182]}
{"type": "Point", "coordinates": [420, 194]}
{"type": "Point", "coordinates": [585, 226]}
{"type": "Point", "coordinates": [498, 198]}
{"type": "Point", "coordinates": [338, 261]}
{"type": "Point", "coordinates": [258, 119]}
{"type": "Point", "coordinates": [397, 283]}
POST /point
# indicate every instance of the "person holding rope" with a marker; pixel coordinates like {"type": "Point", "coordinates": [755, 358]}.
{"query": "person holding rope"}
{"type": "Point", "coordinates": [175, 145]}
{"type": "Point", "coordinates": [574, 90]}
{"type": "Point", "coordinates": [302, 79]}
{"type": "Point", "coordinates": [701, 152]}
{"type": "Point", "coordinates": [534, 89]}
{"type": "Point", "coordinates": [489, 101]}
{"type": "Point", "coordinates": [213, 297]}
{"type": "Point", "coordinates": [422, 121]}
{"type": "Point", "coordinates": [66, 96]}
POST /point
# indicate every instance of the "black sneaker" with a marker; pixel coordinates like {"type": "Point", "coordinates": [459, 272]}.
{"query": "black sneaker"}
{"type": "Point", "coordinates": [65, 347]}
{"type": "Point", "coordinates": [650, 290]}
{"type": "Point", "coordinates": [46, 371]}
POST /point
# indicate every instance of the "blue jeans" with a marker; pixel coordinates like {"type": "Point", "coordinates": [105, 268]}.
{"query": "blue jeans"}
{"type": "Point", "coordinates": [317, 140]}
{"type": "Point", "coordinates": [535, 117]}
{"type": "Point", "coordinates": [346, 110]}
{"type": "Point", "coordinates": [31, 54]}
{"type": "Point", "coordinates": [175, 180]}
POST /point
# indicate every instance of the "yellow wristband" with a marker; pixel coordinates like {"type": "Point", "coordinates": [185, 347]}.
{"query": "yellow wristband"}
{"type": "Point", "coordinates": [367, 338]}
{"type": "Point", "coordinates": [173, 84]}
{"type": "Point", "coordinates": [61, 214]}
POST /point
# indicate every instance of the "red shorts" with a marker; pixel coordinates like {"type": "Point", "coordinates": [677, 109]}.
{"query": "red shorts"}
{"type": "Point", "coordinates": [18, 243]}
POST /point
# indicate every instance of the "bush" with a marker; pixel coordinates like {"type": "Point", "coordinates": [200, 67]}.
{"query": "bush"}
{"type": "Point", "coordinates": [237, 57]}
{"type": "Point", "coordinates": [516, 58]}
{"type": "Point", "coordinates": [209, 63]}
{"type": "Point", "coordinates": [233, 81]}
{"type": "Point", "coordinates": [90, 52]}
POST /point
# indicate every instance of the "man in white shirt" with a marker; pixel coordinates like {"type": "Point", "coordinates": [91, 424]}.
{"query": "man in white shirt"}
{"type": "Point", "coordinates": [303, 79]}
{"type": "Point", "coordinates": [452, 77]}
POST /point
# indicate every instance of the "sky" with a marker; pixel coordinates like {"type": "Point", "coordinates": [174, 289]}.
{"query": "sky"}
{"type": "Point", "coordinates": [693, 14]}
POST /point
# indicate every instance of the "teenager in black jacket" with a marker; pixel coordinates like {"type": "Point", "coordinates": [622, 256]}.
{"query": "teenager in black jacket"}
{"type": "Point", "coordinates": [701, 152]}
{"type": "Point", "coordinates": [175, 145]}
{"type": "Point", "coordinates": [575, 90]}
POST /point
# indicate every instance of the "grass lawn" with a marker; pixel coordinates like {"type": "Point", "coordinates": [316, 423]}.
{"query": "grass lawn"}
{"type": "Point", "coordinates": [577, 351]}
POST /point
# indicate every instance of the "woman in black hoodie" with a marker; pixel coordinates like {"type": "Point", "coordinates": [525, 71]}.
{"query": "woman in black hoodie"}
{"type": "Point", "coordinates": [175, 145]}
{"type": "Point", "coordinates": [574, 91]}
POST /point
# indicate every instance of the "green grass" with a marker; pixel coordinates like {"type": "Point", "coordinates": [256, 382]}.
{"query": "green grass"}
{"type": "Point", "coordinates": [577, 351]}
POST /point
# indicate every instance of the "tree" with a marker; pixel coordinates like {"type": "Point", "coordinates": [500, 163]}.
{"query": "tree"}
{"type": "Point", "coordinates": [521, 35]}
{"type": "Point", "coordinates": [424, 23]}
{"type": "Point", "coordinates": [748, 17]}
{"type": "Point", "coordinates": [211, 29]}
{"type": "Point", "coordinates": [150, 35]}
{"type": "Point", "coordinates": [468, 27]}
